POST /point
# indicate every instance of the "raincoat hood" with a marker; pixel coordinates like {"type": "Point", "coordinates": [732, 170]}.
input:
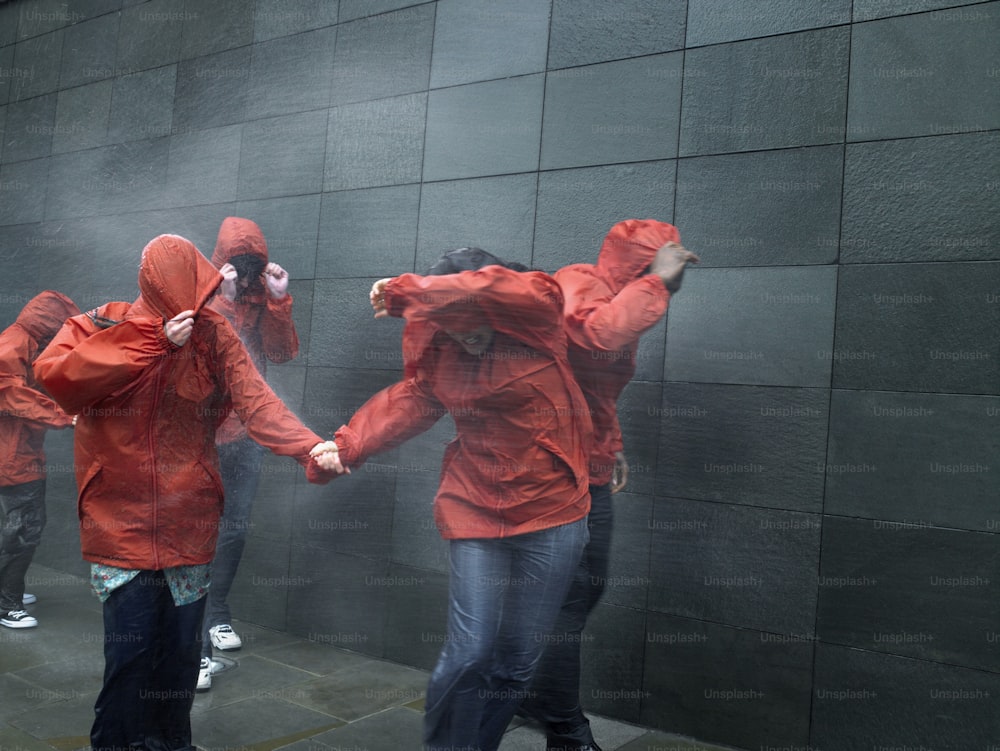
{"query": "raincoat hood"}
{"type": "Point", "coordinates": [630, 246]}
{"type": "Point", "coordinates": [238, 237]}
{"type": "Point", "coordinates": [174, 276]}
{"type": "Point", "coordinates": [45, 314]}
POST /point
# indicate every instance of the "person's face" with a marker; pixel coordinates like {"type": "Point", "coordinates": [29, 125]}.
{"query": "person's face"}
{"type": "Point", "coordinates": [474, 341]}
{"type": "Point", "coordinates": [248, 270]}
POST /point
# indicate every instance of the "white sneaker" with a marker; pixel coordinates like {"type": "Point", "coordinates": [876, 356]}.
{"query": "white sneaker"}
{"type": "Point", "coordinates": [224, 638]}
{"type": "Point", "coordinates": [18, 619]}
{"type": "Point", "coordinates": [204, 675]}
{"type": "Point", "coordinates": [28, 599]}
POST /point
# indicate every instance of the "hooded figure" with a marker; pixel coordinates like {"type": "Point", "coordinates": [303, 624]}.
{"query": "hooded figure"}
{"type": "Point", "coordinates": [254, 299]}
{"type": "Point", "coordinates": [608, 306]}
{"type": "Point", "coordinates": [150, 497]}
{"type": "Point", "coordinates": [26, 413]}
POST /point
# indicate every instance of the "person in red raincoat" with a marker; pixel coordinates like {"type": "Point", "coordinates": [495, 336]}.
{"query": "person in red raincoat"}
{"type": "Point", "coordinates": [608, 307]}
{"type": "Point", "coordinates": [150, 382]}
{"type": "Point", "coordinates": [26, 413]}
{"type": "Point", "coordinates": [254, 298]}
{"type": "Point", "coordinates": [487, 347]}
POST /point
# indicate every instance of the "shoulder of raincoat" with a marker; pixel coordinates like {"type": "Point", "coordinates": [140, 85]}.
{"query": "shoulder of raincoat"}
{"type": "Point", "coordinates": [519, 459]}
{"type": "Point", "coordinates": [26, 412]}
{"type": "Point", "coordinates": [609, 305]}
{"type": "Point", "coordinates": [149, 491]}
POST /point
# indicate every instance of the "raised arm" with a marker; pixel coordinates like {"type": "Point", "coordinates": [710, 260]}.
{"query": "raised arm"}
{"type": "Point", "coordinates": [19, 399]}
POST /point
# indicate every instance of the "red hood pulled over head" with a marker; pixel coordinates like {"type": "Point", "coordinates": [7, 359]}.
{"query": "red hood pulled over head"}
{"type": "Point", "coordinates": [45, 314]}
{"type": "Point", "coordinates": [630, 246]}
{"type": "Point", "coordinates": [174, 276]}
{"type": "Point", "coordinates": [238, 237]}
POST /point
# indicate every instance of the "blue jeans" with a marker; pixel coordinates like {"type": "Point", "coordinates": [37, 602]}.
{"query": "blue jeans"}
{"type": "Point", "coordinates": [504, 596]}
{"type": "Point", "coordinates": [239, 463]}
{"type": "Point", "coordinates": [151, 656]}
{"type": "Point", "coordinates": [555, 692]}
{"type": "Point", "coordinates": [23, 519]}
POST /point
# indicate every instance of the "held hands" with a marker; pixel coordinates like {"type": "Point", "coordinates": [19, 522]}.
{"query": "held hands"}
{"type": "Point", "coordinates": [178, 329]}
{"type": "Point", "coordinates": [670, 262]}
{"type": "Point", "coordinates": [277, 280]}
{"type": "Point", "coordinates": [327, 456]}
{"type": "Point", "coordinates": [619, 475]}
{"type": "Point", "coordinates": [377, 297]}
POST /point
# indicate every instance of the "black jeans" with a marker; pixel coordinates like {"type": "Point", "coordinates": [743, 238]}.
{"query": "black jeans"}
{"type": "Point", "coordinates": [23, 520]}
{"type": "Point", "coordinates": [152, 650]}
{"type": "Point", "coordinates": [554, 700]}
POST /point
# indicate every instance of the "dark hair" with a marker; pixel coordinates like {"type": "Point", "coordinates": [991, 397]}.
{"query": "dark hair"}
{"type": "Point", "coordinates": [470, 259]}
{"type": "Point", "coordinates": [248, 265]}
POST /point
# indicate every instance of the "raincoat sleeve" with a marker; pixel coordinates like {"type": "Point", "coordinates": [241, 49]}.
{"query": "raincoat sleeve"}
{"type": "Point", "coordinates": [525, 305]}
{"type": "Point", "coordinates": [387, 420]}
{"type": "Point", "coordinates": [19, 399]}
{"type": "Point", "coordinates": [85, 363]}
{"type": "Point", "coordinates": [279, 340]}
{"type": "Point", "coordinates": [268, 421]}
{"type": "Point", "coordinates": [598, 319]}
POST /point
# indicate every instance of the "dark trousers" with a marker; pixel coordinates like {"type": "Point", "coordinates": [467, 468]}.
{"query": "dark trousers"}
{"type": "Point", "coordinates": [554, 700]}
{"type": "Point", "coordinates": [23, 520]}
{"type": "Point", "coordinates": [239, 464]}
{"type": "Point", "coordinates": [152, 649]}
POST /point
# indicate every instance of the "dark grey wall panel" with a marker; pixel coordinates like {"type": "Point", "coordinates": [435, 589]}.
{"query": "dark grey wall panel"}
{"type": "Point", "coordinates": [714, 21]}
{"type": "Point", "coordinates": [368, 232]}
{"type": "Point", "coordinates": [774, 328]}
{"type": "Point", "coordinates": [922, 199]}
{"type": "Point", "coordinates": [865, 10]}
{"type": "Point", "coordinates": [216, 26]}
{"type": "Point", "coordinates": [593, 31]}
{"type": "Point", "coordinates": [375, 143]}
{"type": "Point", "coordinates": [910, 589]}
{"type": "Point", "coordinates": [341, 599]}
{"type": "Point", "coordinates": [85, 47]}
{"type": "Point", "coordinates": [33, 19]}
{"type": "Point", "coordinates": [576, 208]}
{"type": "Point", "coordinates": [743, 444]}
{"type": "Point", "coordinates": [29, 128]}
{"type": "Point", "coordinates": [383, 56]}
{"type": "Point", "coordinates": [479, 40]}
{"type": "Point", "coordinates": [290, 226]}
{"type": "Point", "coordinates": [754, 568]}
{"type": "Point", "coordinates": [612, 662]}
{"type": "Point", "coordinates": [352, 337]}
{"type": "Point", "coordinates": [278, 18]}
{"type": "Point", "coordinates": [262, 584]}
{"type": "Point", "coordinates": [896, 327]}
{"type": "Point", "coordinates": [211, 90]}
{"type": "Point", "coordinates": [291, 74]}
{"type": "Point", "coordinates": [493, 213]}
{"type": "Point", "coordinates": [925, 74]}
{"type": "Point", "coordinates": [203, 166]}
{"type": "Point", "coordinates": [764, 208]}
{"type": "Point", "coordinates": [283, 156]}
{"type": "Point", "coordinates": [136, 111]}
{"type": "Point", "coordinates": [333, 395]}
{"type": "Point", "coordinates": [149, 35]}
{"type": "Point", "coordinates": [37, 59]}
{"type": "Point", "coordinates": [490, 128]}
{"type": "Point", "coordinates": [629, 574]}
{"type": "Point", "coordinates": [580, 128]}
{"type": "Point", "coordinates": [9, 13]}
{"type": "Point", "coordinates": [82, 117]}
{"type": "Point", "coordinates": [734, 686]}
{"type": "Point", "coordinates": [639, 417]}
{"type": "Point", "coordinates": [7, 71]}
{"type": "Point", "coordinates": [415, 626]}
{"type": "Point", "coordinates": [865, 701]}
{"type": "Point", "coordinates": [914, 458]}
{"type": "Point", "coordinates": [350, 9]}
{"type": "Point", "coordinates": [786, 91]}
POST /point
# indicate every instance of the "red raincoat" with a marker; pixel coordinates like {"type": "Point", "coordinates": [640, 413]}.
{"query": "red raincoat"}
{"type": "Point", "coordinates": [25, 411]}
{"type": "Point", "coordinates": [264, 324]}
{"type": "Point", "coordinates": [519, 460]}
{"type": "Point", "coordinates": [608, 306]}
{"type": "Point", "coordinates": [147, 472]}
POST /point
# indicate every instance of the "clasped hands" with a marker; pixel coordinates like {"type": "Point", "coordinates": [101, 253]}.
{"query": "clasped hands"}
{"type": "Point", "coordinates": [327, 456]}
